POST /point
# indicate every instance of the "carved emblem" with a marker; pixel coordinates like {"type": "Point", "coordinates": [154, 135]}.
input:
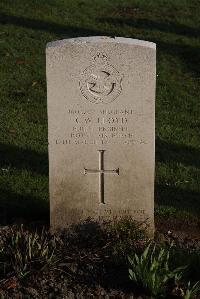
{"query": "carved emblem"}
{"type": "Point", "coordinates": [100, 82]}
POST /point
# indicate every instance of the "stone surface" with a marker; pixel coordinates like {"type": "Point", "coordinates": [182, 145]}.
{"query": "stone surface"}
{"type": "Point", "coordinates": [101, 96]}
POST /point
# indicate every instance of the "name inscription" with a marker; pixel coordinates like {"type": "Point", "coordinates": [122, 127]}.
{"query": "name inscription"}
{"type": "Point", "coordinates": [100, 128]}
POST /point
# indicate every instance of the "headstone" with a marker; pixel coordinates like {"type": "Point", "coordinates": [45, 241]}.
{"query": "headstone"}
{"type": "Point", "coordinates": [101, 96]}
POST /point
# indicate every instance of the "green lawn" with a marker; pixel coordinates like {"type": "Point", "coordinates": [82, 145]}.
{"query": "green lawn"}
{"type": "Point", "coordinates": [26, 27]}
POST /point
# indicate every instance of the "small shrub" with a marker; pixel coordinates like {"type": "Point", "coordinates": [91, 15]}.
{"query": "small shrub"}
{"type": "Point", "coordinates": [26, 251]}
{"type": "Point", "coordinates": [151, 269]}
{"type": "Point", "coordinates": [127, 234]}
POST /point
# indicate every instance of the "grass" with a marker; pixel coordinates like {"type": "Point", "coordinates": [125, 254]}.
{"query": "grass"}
{"type": "Point", "coordinates": [26, 27]}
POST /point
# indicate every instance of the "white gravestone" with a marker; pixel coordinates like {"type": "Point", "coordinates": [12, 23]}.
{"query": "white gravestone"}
{"type": "Point", "coordinates": [101, 98]}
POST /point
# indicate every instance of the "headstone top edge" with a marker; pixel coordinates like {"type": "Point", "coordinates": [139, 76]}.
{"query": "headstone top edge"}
{"type": "Point", "coordinates": [97, 39]}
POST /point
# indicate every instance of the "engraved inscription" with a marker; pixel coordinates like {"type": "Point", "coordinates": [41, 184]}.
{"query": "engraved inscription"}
{"type": "Point", "coordinates": [101, 171]}
{"type": "Point", "coordinates": [107, 214]}
{"type": "Point", "coordinates": [108, 126]}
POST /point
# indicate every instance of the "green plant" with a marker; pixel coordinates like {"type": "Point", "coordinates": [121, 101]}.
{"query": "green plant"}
{"type": "Point", "coordinates": [28, 251]}
{"type": "Point", "coordinates": [151, 269]}
{"type": "Point", "coordinates": [191, 291]}
{"type": "Point", "coordinates": [127, 234]}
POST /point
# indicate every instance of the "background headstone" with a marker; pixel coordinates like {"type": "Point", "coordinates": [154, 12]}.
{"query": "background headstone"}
{"type": "Point", "coordinates": [101, 96]}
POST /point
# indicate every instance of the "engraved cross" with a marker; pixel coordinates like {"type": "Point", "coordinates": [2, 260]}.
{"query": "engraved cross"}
{"type": "Point", "coordinates": [101, 171]}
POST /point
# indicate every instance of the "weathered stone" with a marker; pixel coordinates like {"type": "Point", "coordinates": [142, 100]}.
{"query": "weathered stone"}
{"type": "Point", "coordinates": [101, 96]}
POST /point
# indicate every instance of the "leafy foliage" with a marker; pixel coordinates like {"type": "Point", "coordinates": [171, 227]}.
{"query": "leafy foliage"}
{"type": "Point", "coordinates": [192, 290]}
{"type": "Point", "coordinates": [151, 269]}
{"type": "Point", "coordinates": [26, 251]}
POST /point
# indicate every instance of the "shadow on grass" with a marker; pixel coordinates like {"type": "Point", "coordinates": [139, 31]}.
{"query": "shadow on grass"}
{"type": "Point", "coordinates": [172, 196]}
{"type": "Point", "coordinates": [16, 208]}
{"type": "Point", "coordinates": [181, 199]}
{"type": "Point", "coordinates": [151, 25]}
{"type": "Point", "coordinates": [139, 23]}
{"type": "Point", "coordinates": [12, 156]}
{"type": "Point", "coordinates": [184, 154]}
{"type": "Point", "coordinates": [189, 54]}
{"type": "Point", "coordinates": [51, 27]}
